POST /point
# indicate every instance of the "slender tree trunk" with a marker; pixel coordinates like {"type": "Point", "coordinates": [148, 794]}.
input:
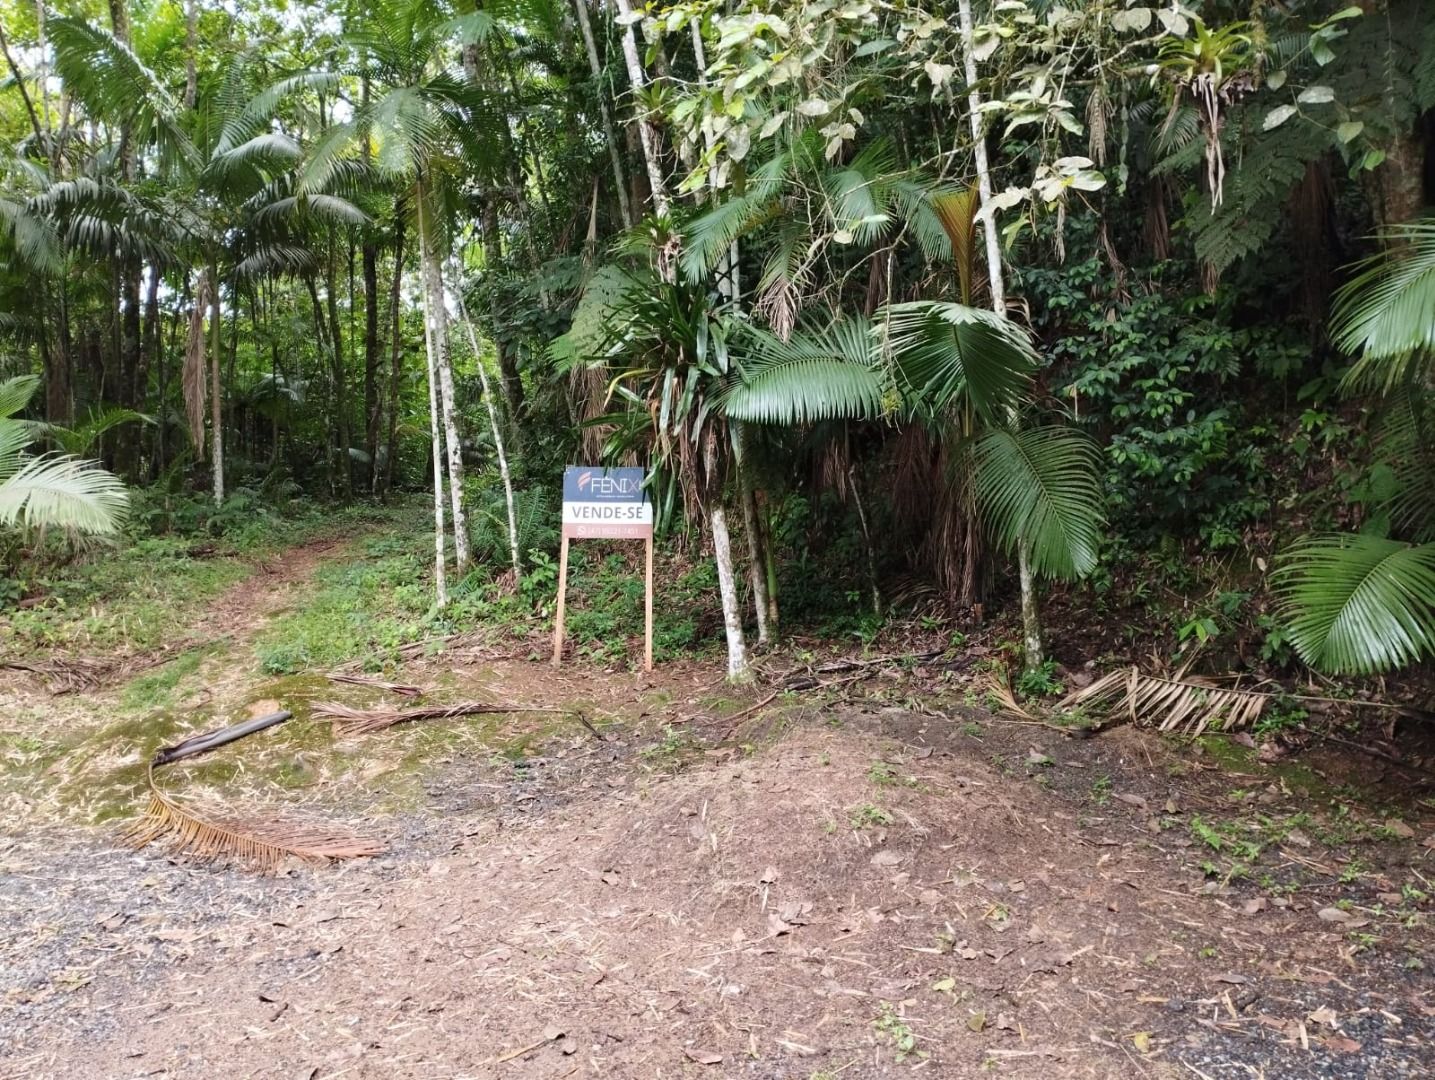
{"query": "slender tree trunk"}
{"type": "Point", "coordinates": [437, 316]}
{"type": "Point", "coordinates": [757, 564]}
{"type": "Point", "coordinates": [497, 441]}
{"type": "Point", "coordinates": [430, 349]}
{"type": "Point", "coordinates": [649, 137]}
{"type": "Point", "coordinates": [396, 348]}
{"type": "Point", "coordinates": [867, 546]}
{"type": "Point", "coordinates": [342, 434]}
{"type": "Point", "coordinates": [1030, 615]}
{"type": "Point", "coordinates": [620, 181]}
{"type": "Point", "coordinates": [372, 412]}
{"type": "Point", "coordinates": [216, 407]}
{"type": "Point", "coordinates": [737, 669]}
{"type": "Point", "coordinates": [191, 46]}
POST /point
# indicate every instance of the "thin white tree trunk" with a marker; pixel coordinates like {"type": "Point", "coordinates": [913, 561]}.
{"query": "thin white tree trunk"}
{"type": "Point", "coordinates": [1030, 615]}
{"type": "Point", "coordinates": [497, 436]}
{"type": "Point", "coordinates": [437, 314]}
{"type": "Point", "coordinates": [440, 584]}
{"type": "Point", "coordinates": [737, 670]}
{"type": "Point", "coordinates": [646, 134]}
{"type": "Point", "coordinates": [609, 132]}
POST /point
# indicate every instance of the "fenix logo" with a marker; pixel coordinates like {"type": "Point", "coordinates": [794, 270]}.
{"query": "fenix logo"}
{"type": "Point", "coordinates": [596, 483]}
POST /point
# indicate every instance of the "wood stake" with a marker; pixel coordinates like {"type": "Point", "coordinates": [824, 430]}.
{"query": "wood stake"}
{"type": "Point", "coordinates": [648, 610]}
{"type": "Point", "coordinates": [562, 599]}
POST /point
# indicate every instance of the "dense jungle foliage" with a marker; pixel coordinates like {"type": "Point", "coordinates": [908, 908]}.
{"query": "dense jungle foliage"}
{"type": "Point", "coordinates": [1118, 314]}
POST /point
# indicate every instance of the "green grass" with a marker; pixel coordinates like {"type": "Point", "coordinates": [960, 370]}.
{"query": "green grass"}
{"type": "Point", "coordinates": [155, 689]}
{"type": "Point", "coordinates": [364, 608]}
{"type": "Point", "coordinates": [138, 594]}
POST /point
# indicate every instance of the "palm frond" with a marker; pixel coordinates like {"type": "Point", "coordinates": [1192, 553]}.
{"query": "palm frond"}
{"type": "Point", "coordinates": [814, 375]}
{"type": "Point", "coordinates": [351, 721]}
{"type": "Point", "coordinates": [958, 215]}
{"type": "Point", "coordinates": [1383, 314]}
{"type": "Point", "coordinates": [65, 493]}
{"type": "Point", "coordinates": [1042, 487]}
{"type": "Point", "coordinates": [1405, 442]}
{"type": "Point", "coordinates": [16, 393]}
{"type": "Point", "coordinates": [266, 844]}
{"type": "Point", "coordinates": [942, 351]}
{"type": "Point", "coordinates": [79, 438]}
{"type": "Point", "coordinates": [32, 235]}
{"type": "Point", "coordinates": [1358, 604]}
{"type": "Point", "coordinates": [113, 82]}
{"type": "Point", "coordinates": [1188, 704]}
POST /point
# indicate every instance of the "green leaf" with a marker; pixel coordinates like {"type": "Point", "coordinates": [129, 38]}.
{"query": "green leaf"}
{"type": "Point", "coordinates": [1276, 79]}
{"type": "Point", "coordinates": [1349, 130]}
{"type": "Point", "coordinates": [1383, 314]}
{"type": "Point", "coordinates": [1358, 604]}
{"type": "Point", "coordinates": [1316, 95]}
{"type": "Point", "coordinates": [1278, 116]}
{"type": "Point", "coordinates": [943, 351]}
{"type": "Point", "coordinates": [1042, 487]}
{"type": "Point", "coordinates": [64, 493]}
{"type": "Point", "coordinates": [817, 375]}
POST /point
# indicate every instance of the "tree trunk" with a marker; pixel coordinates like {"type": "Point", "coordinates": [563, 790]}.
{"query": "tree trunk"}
{"type": "Point", "coordinates": [737, 669]}
{"type": "Point", "coordinates": [216, 409]}
{"type": "Point", "coordinates": [756, 560]}
{"type": "Point", "coordinates": [649, 137]}
{"type": "Point", "coordinates": [372, 412]}
{"type": "Point", "coordinates": [396, 348]}
{"type": "Point", "coordinates": [497, 441]}
{"type": "Point", "coordinates": [437, 316]}
{"type": "Point", "coordinates": [620, 181]}
{"type": "Point", "coordinates": [342, 434]}
{"type": "Point", "coordinates": [440, 584]}
{"type": "Point", "coordinates": [191, 45]}
{"type": "Point", "coordinates": [1030, 615]}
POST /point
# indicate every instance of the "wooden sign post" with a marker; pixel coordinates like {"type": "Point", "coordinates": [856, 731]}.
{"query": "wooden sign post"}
{"type": "Point", "coordinates": [605, 503]}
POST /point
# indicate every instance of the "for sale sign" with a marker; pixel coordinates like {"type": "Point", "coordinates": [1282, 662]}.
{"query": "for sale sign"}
{"type": "Point", "coordinates": [605, 503]}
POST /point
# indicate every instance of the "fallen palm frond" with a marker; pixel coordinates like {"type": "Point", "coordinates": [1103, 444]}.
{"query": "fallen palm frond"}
{"type": "Point", "coordinates": [1189, 703]}
{"type": "Point", "coordinates": [265, 844]}
{"type": "Point", "coordinates": [351, 721]}
{"type": "Point", "coordinates": [402, 689]}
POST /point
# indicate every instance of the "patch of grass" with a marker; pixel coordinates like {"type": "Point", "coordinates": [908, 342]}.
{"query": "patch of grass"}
{"type": "Point", "coordinates": [364, 609]}
{"type": "Point", "coordinates": [674, 749]}
{"type": "Point", "coordinates": [862, 816]}
{"type": "Point", "coordinates": [155, 689]}
{"type": "Point", "coordinates": [889, 1023]}
{"type": "Point", "coordinates": [1101, 790]}
{"type": "Point", "coordinates": [1039, 681]}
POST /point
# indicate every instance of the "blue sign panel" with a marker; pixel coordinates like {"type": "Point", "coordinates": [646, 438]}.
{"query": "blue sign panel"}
{"type": "Point", "coordinates": [590, 484]}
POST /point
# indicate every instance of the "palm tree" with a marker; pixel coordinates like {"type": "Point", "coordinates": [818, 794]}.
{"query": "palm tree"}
{"type": "Point", "coordinates": [417, 113]}
{"type": "Point", "coordinates": [232, 203]}
{"type": "Point", "coordinates": [1037, 485]}
{"type": "Point", "coordinates": [51, 490]}
{"type": "Point", "coordinates": [1366, 603]}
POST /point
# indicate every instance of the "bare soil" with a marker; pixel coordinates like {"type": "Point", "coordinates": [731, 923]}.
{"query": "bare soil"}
{"type": "Point", "coordinates": [854, 882]}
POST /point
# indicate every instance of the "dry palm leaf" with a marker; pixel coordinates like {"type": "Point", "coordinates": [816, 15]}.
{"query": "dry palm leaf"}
{"type": "Point", "coordinates": [1186, 703]}
{"type": "Point", "coordinates": [265, 844]}
{"type": "Point", "coordinates": [351, 721]}
{"type": "Point", "coordinates": [402, 689]}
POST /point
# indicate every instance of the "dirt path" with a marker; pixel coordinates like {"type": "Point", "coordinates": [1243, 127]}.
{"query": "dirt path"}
{"type": "Point", "coordinates": [854, 900]}
{"type": "Point", "coordinates": [847, 887]}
